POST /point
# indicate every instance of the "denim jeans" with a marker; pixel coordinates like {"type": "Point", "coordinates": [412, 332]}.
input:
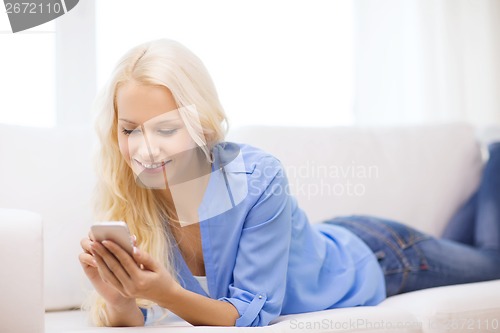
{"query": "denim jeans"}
{"type": "Point", "coordinates": [469, 250]}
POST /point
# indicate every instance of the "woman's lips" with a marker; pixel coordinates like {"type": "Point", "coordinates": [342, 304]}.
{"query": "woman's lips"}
{"type": "Point", "coordinates": [152, 167]}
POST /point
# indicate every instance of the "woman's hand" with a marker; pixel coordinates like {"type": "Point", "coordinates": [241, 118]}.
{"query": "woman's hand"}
{"type": "Point", "coordinates": [111, 295]}
{"type": "Point", "coordinates": [139, 276]}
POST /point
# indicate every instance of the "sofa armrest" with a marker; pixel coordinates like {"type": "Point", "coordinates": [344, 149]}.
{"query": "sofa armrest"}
{"type": "Point", "coordinates": [21, 275]}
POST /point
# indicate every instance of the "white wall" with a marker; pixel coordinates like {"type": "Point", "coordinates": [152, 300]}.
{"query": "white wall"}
{"type": "Point", "coordinates": [280, 62]}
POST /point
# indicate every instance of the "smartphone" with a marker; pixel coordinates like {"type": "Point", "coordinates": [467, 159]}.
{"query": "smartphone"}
{"type": "Point", "coordinates": [115, 231]}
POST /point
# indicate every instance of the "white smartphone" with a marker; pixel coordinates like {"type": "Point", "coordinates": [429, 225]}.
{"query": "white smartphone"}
{"type": "Point", "coordinates": [116, 231]}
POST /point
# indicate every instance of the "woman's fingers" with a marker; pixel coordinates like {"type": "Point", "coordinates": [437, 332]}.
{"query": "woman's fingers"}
{"type": "Point", "coordinates": [145, 260]}
{"type": "Point", "coordinates": [124, 258]}
{"type": "Point", "coordinates": [105, 273]}
{"type": "Point", "coordinates": [112, 265]}
{"type": "Point", "coordinates": [86, 244]}
{"type": "Point", "coordinates": [87, 259]}
{"type": "Point", "coordinates": [107, 277]}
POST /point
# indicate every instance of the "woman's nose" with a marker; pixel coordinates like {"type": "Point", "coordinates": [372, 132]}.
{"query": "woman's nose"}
{"type": "Point", "coordinates": [148, 149]}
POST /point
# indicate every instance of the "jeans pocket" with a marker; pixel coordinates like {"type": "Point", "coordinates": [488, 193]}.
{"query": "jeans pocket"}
{"type": "Point", "coordinates": [404, 235]}
{"type": "Point", "coordinates": [415, 236]}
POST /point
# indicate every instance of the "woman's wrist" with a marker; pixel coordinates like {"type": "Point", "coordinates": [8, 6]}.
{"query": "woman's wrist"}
{"type": "Point", "coordinates": [126, 313]}
{"type": "Point", "coordinates": [124, 304]}
{"type": "Point", "coordinates": [167, 298]}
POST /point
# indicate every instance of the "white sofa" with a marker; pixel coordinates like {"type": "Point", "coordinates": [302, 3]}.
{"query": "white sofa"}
{"type": "Point", "coordinates": [418, 175]}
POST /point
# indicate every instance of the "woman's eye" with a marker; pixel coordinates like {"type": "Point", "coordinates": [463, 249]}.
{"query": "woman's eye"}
{"type": "Point", "coordinates": [167, 132]}
{"type": "Point", "coordinates": [128, 132]}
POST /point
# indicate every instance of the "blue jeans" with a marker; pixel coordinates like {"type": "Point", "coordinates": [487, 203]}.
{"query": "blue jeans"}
{"type": "Point", "coordinates": [469, 250]}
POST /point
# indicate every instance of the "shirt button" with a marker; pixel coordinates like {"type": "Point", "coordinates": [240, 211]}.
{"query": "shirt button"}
{"type": "Point", "coordinates": [260, 296]}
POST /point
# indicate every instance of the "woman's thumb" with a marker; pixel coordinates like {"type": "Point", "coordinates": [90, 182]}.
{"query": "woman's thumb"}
{"type": "Point", "coordinates": [144, 259]}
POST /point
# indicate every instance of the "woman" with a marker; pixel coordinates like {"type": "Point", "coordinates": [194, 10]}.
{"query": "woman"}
{"type": "Point", "coordinates": [221, 240]}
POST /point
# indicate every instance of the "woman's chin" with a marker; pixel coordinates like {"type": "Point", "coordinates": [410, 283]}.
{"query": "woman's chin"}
{"type": "Point", "coordinates": [154, 181]}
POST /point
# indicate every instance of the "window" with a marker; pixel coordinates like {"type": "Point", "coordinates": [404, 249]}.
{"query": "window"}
{"type": "Point", "coordinates": [273, 62]}
{"type": "Point", "coordinates": [27, 67]}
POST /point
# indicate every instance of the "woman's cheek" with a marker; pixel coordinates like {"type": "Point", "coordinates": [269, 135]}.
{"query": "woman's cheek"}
{"type": "Point", "coordinates": [183, 143]}
{"type": "Point", "coordinates": [124, 148]}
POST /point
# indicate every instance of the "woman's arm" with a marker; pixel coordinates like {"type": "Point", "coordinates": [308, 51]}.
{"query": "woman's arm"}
{"type": "Point", "coordinates": [199, 310]}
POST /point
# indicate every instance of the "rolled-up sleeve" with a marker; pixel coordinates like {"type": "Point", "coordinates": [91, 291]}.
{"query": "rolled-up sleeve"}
{"type": "Point", "coordinates": [261, 263]}
{"type": "Point", "coordinates": [144, 314]}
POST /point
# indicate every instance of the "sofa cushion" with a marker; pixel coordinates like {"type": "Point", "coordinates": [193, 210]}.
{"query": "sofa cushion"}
{"type": "Point", "coordinates": [472, 307]}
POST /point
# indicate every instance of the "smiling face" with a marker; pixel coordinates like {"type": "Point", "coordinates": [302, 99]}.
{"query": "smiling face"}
{"type": "Point", "coordinates": [152, 137]}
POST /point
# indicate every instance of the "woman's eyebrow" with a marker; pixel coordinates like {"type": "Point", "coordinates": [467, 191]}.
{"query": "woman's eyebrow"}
{"type": "Point", "coordinates": [167, 121]}
{"type": "Point", "coordinates": [127, 121]}
{"type": "Point", "coordinates": [159, 123]}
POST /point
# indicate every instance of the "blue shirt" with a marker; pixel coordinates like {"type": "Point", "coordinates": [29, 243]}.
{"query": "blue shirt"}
{"type": "Point", "coordinates": [261, 253]}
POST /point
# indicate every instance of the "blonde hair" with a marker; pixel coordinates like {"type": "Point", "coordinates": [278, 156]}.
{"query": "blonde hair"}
{"type": "Point", "coordinates": [165, 63]}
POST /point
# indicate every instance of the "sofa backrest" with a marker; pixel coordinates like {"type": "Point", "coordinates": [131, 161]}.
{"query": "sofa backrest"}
{"type": "Point", "coordinates": [418, 175]}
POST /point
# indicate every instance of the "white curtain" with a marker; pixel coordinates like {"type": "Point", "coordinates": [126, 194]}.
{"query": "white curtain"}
{"type": "Point", "coordinates": [420, 61]}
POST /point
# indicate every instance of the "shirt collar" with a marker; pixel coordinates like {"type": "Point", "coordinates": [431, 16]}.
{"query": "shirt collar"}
{"type": "Point", "coordinates": [228, 155]}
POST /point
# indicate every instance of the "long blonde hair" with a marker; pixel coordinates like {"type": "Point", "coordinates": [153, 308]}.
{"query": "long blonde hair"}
{"type": "Point", "coordinates": [165, 63]}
